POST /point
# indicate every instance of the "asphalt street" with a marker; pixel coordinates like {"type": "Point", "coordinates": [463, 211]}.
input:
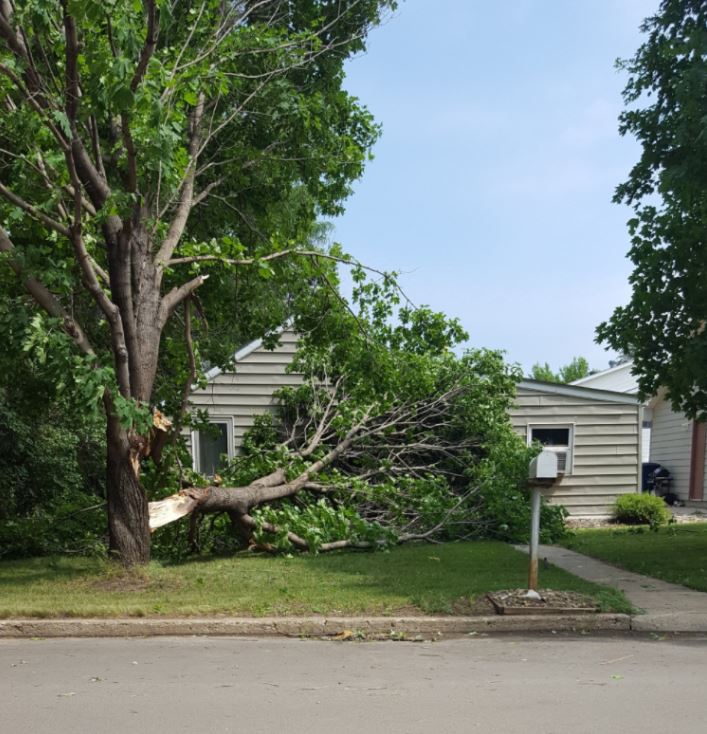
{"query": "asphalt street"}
{"type": "Point", "coordinates": [550, 684]}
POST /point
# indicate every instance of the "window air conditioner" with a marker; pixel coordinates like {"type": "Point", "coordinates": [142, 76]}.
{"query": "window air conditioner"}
{"type": "Point", "coordinates": [561, 460]}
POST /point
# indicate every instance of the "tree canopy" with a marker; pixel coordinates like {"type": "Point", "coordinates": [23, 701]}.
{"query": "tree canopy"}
{"type": "Point", "coordinates": [575, 370]}
{"type": "Point", "coordinates": [663, 325]}
{"type": "Point", "coordinates": [147, 146]}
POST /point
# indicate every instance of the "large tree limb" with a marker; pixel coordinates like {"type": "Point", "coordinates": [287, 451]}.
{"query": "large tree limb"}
{"type": "Point", "coordinates": [111, 311]}
{"type": "Point", "coordinates": [186, 201]}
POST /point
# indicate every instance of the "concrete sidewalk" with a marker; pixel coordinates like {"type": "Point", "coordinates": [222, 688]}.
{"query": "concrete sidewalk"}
{"type": "Point", "coordinates": [667, 607]}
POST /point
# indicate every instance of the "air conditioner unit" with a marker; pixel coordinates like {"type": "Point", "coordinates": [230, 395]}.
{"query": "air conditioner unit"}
{"type": "Point", "coordinates": [563, 457]}
{"type": "Point", "coordinates": [562, 460]}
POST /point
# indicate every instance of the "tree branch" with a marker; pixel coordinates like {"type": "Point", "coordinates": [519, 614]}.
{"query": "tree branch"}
{"type": "Point", "coordinates": [31, 100]}
{"type": "Point", "coordinates": [33, 211]}
{"type": "Point", "coordinates": [149, 48]}
{"type": "Point", "coordinates": [45, 298]}
{"type": "Point", "coordinates": [191, 375]}
{"type": "Point", "coordinates": [172, 299]}
{"type": "Point", "coordinates": [111, 311]}
{"type": "Point", "coordinates": [96, 186]}
{"type": "Point", "coordinates": [179, 221]}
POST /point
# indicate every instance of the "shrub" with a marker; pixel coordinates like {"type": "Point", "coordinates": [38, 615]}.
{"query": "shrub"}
{"type": "Point", "coordinates": [504, 510]}
{"type": "Point", "coordinates": [641, 509]}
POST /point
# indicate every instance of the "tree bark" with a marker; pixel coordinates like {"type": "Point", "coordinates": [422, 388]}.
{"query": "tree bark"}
{"type": "Point", "coordinates": [128, 516]}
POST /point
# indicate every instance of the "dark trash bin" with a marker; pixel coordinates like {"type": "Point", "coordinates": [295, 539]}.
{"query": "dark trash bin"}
{"type": "Point", "coordinates": [647, 474]}
{"type": "Point", "coordinates": [658, 480]}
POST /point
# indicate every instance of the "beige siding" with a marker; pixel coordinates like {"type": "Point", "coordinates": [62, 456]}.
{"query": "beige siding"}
{"type": "Point", "coordinates": [605, 460]}
{"type": "Point", "coordinates": [671, 444]}
{"type": "Point", "coordinates": [249, 391]}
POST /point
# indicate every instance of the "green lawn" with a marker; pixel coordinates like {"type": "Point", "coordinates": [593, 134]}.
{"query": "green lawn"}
{"type": "Point", "coordinates": [677, 553]}
{"type": "Point", "coordinates": [411, 579]}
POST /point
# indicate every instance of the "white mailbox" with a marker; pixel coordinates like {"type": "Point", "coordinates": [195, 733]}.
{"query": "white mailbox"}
{"type": "Point", "coordinates": [543, 467]}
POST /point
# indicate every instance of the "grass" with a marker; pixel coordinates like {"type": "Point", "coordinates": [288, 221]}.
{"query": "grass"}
{"type": "Point", "coordinates": [676, 553]}
{"type": "Point", "coordinates": [411, 579]}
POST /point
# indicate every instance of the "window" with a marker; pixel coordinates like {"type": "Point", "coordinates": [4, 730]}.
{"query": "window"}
{"type": "Point", "coordinates": [557, 438]}
{"type": "Point", "coordinates": [211, 445]}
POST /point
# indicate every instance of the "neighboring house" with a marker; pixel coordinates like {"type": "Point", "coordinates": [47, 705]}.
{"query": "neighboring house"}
{"type": "Point", "coordinates": [234, 399]}
{"type": "Point", "coordinates": [595, 432]}
{"type": "Point", "coordinates": [622, 379]}
{"type": "Point", "coordinates": [670, 439]}
{"type": "Point", "coordinates": [596, 436]}
{"type": "Point", "coordinates": [678, 443]}
{"type": "Point", "coordinates": [616, 379]}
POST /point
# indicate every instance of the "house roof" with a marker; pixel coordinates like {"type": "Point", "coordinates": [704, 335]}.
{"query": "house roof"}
{"type": "Point", "coordinates": [571, 390]}
{"type": "Point", "coordinates": [577, 391]}
{"type": "Point", "coordinates": [626, 367]}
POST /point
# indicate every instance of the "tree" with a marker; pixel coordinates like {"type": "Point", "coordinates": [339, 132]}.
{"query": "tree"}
{"type": "Point", "coordinates": [662, 326]}
{"type": "Point", "coordinates": [390, 438]}
{"type": "Point", "coordinates": [575, 370]}
{"type": "Point", "coordinates": [120, 119]}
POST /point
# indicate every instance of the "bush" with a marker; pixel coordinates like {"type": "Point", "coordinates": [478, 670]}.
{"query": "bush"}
{"type": "Point", "coordinates": [504, 510]}
{"type": "Point", "coordinates": [641, 509]}
{"type": "Point", "coordinates": [53, 468]}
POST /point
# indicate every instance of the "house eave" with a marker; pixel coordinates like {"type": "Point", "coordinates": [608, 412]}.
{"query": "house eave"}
{"type": "Point", "coordinates": [576, 391]}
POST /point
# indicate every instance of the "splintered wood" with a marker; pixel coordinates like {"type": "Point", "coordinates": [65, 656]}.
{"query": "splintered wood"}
{"type": "Point", "coordinates": [170, 509]}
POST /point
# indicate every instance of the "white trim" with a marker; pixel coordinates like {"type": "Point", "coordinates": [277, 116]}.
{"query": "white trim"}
{"type": "Point", "coordinates": [575, 391]}
{"type": "Point", "coordinates": [240, 355]}
{"type": "Point", "coordinates": [569, 465]}
{"type": "Point", "coordinates": [230, 448]}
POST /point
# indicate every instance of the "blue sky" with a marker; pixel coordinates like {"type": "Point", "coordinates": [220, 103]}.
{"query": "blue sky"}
{"type": "Point", "coordinates": [491, 186]}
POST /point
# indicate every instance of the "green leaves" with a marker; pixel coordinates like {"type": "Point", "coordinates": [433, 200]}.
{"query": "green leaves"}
{"type": "Point", "coordinates": [132, 414]}
{"type": "Point", "coordinates": [575, 370]}
{"type": "Point", "coordinates": [317, 522]}
{"type": "Point", "coordinates": [662, 327]}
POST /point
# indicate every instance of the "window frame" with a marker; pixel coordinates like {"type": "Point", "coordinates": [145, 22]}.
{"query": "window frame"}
{"type": "Point", "coordinates": [215, 420]}
{"type": "Point", "coordinates": [569, 463]}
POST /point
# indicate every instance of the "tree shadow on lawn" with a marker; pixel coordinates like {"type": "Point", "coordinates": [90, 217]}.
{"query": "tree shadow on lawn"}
{"type": "Point", "coordinates": [29, 571]}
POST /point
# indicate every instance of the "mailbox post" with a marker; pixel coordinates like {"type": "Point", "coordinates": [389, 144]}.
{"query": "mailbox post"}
{"type": "Point", "coordinates": [542, 472]}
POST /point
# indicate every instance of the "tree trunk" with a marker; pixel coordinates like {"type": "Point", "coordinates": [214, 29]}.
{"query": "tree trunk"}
{"type": "Point", "coordinates": [128, 517]}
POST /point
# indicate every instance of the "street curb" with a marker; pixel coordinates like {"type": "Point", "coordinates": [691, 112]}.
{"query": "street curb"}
{"type": "Point", "coordinates": [361, 627]}
{"type": "Point", "coordinates": [671, 622]}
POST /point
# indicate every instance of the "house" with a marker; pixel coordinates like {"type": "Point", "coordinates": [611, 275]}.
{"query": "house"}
{"type": "Point", "coordinates": [678, 443]}
{"type": "Point", "coordinates": [622, 379]}
{"type": "Point", "coordinates": [233, 400]}
{"type": "Point", "coordinates": [596, 436]}
{"type": "Point", "coordinates": [669, 438]}
{"type": "Point", "coordinates": [595, 432]}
